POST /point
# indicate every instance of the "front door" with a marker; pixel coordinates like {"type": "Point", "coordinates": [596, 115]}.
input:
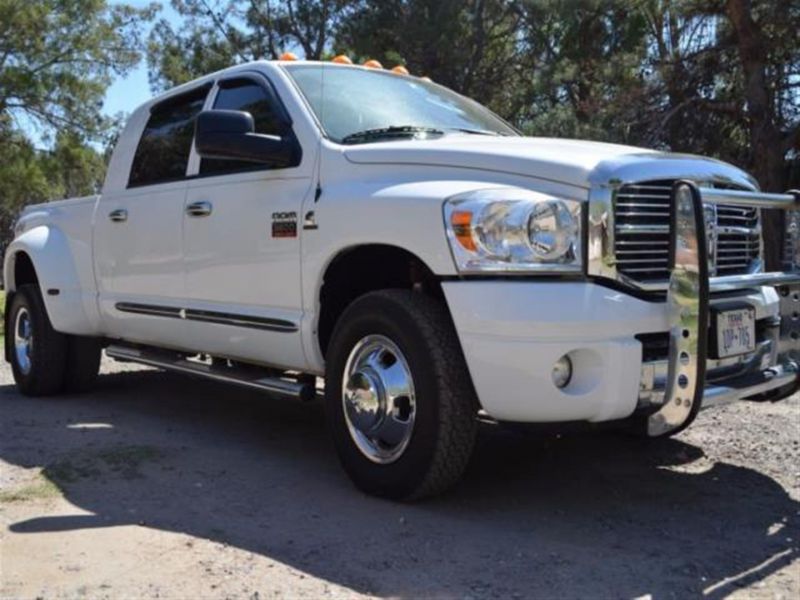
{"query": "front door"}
{"type": "Point", "coordinates": [242, 244]}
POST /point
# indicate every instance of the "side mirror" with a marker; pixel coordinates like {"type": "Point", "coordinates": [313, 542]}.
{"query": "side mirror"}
{"type": "Point", "coordinates": [229, 134]}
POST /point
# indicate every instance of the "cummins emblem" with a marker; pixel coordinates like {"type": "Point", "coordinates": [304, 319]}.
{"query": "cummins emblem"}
{"type": "Point", "coordinates": [710, 218]}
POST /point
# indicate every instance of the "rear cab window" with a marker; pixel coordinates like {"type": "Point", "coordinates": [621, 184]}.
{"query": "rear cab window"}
{"type": "Point", "coordinates": [163, 152]}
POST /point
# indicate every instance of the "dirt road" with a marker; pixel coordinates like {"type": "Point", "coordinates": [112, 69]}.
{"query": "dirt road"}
{"type": "Point", "coordinates": [157, 486]}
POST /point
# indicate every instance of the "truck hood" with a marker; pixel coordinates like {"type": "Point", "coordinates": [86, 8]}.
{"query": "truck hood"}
{"type": "Point", "coordinates": [574, 162]}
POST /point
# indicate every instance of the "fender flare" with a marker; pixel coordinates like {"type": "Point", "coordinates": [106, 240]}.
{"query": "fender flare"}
{"type": "Point", "coordinates": [53, 261]}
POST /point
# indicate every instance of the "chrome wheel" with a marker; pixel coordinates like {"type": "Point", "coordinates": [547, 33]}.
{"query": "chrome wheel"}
{"type": "Point", "coordinates": [378, 399]}
{"type": "Point", "coordinates": [23, 340]}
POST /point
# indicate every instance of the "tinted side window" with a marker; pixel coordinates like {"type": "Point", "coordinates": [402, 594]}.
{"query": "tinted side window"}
{"type": "Point", "coordinates": [163, 151]}
{"type": "Point", "coordinates": [249, 97]}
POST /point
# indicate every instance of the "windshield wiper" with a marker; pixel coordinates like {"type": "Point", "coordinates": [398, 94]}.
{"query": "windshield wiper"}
{"type": "Point", "coordinates": [478, 131]}
{"type": "Point", "coordinates": [402, 131]}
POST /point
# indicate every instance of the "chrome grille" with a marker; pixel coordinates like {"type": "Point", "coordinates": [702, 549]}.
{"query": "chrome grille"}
{"type": "Point", "coordinates": [641, 234]}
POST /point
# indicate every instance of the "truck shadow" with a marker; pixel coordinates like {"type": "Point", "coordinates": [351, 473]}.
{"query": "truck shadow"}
{"type": "Point", "coordinates": [589, 515]}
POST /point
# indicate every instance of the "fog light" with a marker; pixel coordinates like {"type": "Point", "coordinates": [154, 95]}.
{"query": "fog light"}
{"type": "Point", "coordinates": [562, 371]}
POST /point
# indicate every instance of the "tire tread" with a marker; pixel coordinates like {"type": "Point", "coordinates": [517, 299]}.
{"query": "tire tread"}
{"type": "Point", "coordinates": [458, 404]}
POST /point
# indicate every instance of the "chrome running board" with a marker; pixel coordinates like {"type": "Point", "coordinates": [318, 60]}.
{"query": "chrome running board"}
{"type": "Point", "coordinates": [274, 386]}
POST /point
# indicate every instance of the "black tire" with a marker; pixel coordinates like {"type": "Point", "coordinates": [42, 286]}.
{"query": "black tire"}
{"type": "Point", "coordinates": [445, 425]}
{"type": "Point", "coordinates": [47, 356]}
{"type": "Point", "coordinates": [83, 363]}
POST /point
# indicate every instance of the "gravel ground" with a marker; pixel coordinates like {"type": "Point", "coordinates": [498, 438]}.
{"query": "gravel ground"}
{"type": "Point", "coordinates": [157, 486]}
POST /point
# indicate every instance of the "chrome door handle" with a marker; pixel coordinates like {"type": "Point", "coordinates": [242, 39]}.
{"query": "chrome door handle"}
{"type": "Point", "coordinates": [199, 209]}
{"type": "Point", "coordinates": [118, 216]}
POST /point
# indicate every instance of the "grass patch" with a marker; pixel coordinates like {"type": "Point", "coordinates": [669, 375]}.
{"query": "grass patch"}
{"type": "Point", "coordinates": [51, 481]}
{"type": "Point", "coordinates": [42, 488]}
{"type": "Point", "coordinates": [123, 460]}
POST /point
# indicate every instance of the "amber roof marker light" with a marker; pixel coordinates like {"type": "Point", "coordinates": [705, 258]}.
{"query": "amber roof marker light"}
{"type": "Point", "coordinates": [373, 64]}
{"type": "Point", "coordinates": [288, 56]}
{"type": "Point", "coordinates": [400, 70]}
{"type": "Point", "coordinates": [342, 59]}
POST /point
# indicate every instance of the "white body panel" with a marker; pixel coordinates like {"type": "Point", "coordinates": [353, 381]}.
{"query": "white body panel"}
{"type": "Point", "coordinates": [234, 265]}
{"type": "Point", "coordinates": [229, 263]}
{"type": "Point", "coordinates": [141, 261]}
{"type": "Point", "coordinates": [513, 332]}
{"type": "Point", "coordinates": [58, 239]}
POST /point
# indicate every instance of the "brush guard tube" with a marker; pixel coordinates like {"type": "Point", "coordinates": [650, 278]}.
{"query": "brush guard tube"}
{"type": "Point", "coordinates": [687, 308]}
{"type": "Point", "coordinates": [687, 305]}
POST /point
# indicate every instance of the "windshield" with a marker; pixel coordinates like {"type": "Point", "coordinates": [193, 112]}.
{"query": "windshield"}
{"type": "Point", "coordinates": [353, 100]}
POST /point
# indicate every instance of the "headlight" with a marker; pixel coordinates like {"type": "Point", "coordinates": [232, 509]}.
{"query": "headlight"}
{"type": "Point", "coordinates": [513, 230]}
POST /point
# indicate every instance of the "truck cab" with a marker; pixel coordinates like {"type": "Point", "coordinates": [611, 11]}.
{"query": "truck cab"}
{"type": "Point", "coordinates": [317, 229]}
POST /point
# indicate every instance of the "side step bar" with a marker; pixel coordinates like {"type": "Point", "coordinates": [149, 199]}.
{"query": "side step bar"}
{"type": "Point", "coordinates": [274, 386]}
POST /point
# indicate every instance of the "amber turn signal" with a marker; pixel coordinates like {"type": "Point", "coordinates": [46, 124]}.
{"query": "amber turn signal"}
{"type": "Point", "coordinates": [461, 222]}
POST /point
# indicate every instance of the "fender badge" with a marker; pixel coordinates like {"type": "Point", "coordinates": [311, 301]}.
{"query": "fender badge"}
{"type": "Point", "coordinates": [284, 224]}
{"type": "Point", "coordinates": [310, 221]}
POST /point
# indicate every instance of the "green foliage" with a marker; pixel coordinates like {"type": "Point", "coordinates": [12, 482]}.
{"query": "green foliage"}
{"type": "Point", "coordinates": [709, 77]}
{"type": "Point", "coordinates": [470, 46]}
{"type": "Point", "coordinates": [57, 58]}
{"type": "Point", "coordinates": [71, 168]}
{"type": "Point", "coordinates": [215, 34]}
{"type": "Point", "coordinates": [713, 77]}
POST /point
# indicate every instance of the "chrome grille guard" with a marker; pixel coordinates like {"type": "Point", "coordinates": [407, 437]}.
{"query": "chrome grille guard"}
{"type": "Point", "coordinates": [687, 305]}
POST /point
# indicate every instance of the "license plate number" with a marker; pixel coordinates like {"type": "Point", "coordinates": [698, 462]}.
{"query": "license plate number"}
{"type": "Point", "coordinates": [736, 332]}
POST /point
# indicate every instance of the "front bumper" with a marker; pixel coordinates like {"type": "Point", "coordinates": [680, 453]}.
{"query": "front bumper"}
{"type": "Point", "coordinates": [512, 332]}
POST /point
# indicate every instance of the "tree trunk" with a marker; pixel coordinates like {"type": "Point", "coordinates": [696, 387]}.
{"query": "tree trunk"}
{"type": "Point", "coordinates": [766, 139]}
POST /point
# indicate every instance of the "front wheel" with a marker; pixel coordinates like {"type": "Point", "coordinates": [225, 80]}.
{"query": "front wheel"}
{"type": "Point", "coordinates": [398, 395]}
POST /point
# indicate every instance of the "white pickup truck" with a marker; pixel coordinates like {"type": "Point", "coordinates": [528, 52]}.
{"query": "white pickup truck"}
{"type": "Point", "coordinates": [282, 222]}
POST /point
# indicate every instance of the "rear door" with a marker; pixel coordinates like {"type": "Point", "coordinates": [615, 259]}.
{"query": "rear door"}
{"type": "Point", "coordinates": [242, 241]}
{"type": "Point", "coordinates": [138, 246]}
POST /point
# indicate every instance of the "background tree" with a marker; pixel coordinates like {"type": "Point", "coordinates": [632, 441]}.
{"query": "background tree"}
{"type": "Point", "coordinates": [214, 34]}
{"type": "Point", "coordinates": [57, 58]}
{"type": "Point", "coordinates": [713, 77]}
{"type": "Point", "coordinates": [468, 45]}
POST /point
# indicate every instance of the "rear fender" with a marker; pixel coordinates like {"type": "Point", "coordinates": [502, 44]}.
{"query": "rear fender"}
{"type": "Point", "coordinates": [70, 306]}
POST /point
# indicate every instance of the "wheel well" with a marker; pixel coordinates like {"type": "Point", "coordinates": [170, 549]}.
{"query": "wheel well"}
{"type": "Point", "coordinates": [24, 273]}
{"type": "Point", "coordinates": [363, 269]}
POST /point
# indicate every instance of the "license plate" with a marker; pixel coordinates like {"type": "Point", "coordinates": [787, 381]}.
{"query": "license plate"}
{"type": "Point", "coordinates": [736, 332]}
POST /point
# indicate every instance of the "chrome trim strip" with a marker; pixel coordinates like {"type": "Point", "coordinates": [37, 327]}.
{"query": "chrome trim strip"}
{"type": "Point", "coordinates": [148, 309]}
{"type": "Point", "coordinates": [208, 316]}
